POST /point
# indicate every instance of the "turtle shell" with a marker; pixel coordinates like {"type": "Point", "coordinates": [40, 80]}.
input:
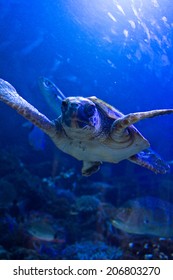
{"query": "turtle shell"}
{"type": "Point", "coordinates": [106, 108]}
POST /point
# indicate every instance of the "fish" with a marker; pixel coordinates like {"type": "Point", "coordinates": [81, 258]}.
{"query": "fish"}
{"type": "Point", "coordinates": [145, 215]}
{"type": "Point", "coordinates": [52, 95]}
{"type": "Point", "coordinates": [42, 231]}
{"type": "Point", "coordinates": [42, 228]}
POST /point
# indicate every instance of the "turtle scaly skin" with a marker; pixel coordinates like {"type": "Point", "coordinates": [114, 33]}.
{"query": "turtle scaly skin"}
{"type": "Point", "coordinates": [9, 95]}
{"type": "Point", "coordinates": [92, 131]}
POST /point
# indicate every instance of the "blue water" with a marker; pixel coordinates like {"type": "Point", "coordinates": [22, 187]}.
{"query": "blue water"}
{"type": "Point", "coordinates": [120, 51]}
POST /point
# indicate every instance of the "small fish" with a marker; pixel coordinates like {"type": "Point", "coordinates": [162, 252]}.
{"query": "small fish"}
{"type": "Point", "coordinates": [145, 215]}
{"type": "Point", "coordinates": [41, 229]}
{"type": "Point", "coordinates": [53, 97]}
{"type": "Point", "coordinates": [52, 94]}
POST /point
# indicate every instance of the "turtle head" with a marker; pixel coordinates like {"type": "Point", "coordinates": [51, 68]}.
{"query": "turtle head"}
{"type": "Point", "coordinates": [80, 117]}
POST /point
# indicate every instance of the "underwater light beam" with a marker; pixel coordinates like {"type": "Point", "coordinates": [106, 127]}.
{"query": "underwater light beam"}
{"type": "Point", "coordinates": [97, 12]}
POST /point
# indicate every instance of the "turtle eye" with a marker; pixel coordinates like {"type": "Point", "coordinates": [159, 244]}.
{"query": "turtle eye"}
{"type": "Point", "coordinates": [90, 110]}
{"type": "Point", "coordinates": [47, 83]}
{"type": "Point", "coordinates": [64, 105]}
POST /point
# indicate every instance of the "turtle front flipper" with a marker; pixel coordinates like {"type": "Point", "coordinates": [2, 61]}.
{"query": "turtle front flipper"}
{"type": "Point", "coordinates": [9, 95]}
{"type": "Point", "coordinates": [151, 160]}
{"type": "Point", "coordinates": [119, 126]}
{"type": "Point", "coordinates": [90, 167]}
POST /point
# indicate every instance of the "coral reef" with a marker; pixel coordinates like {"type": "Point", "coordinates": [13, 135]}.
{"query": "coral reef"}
{"type": "Point", "coordinates": [91, 251]}
{"type": "Point", "coordinates": [67, 217]}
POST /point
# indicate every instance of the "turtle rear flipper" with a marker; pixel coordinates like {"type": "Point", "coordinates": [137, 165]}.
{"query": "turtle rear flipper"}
{"type": "Point", "coordinates": [9, 95]}
{"type": "Point", "coordinates": [151, 160]}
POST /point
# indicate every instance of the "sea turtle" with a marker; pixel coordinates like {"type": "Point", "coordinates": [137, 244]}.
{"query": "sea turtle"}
{"type": "Point", "coordinates": [92, 131]}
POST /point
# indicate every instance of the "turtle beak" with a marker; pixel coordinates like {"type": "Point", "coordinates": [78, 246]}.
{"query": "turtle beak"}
{"type": "Point", "coordinates": [79, 123]}
{"type": "Point", "coordinates": [74, 115]}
